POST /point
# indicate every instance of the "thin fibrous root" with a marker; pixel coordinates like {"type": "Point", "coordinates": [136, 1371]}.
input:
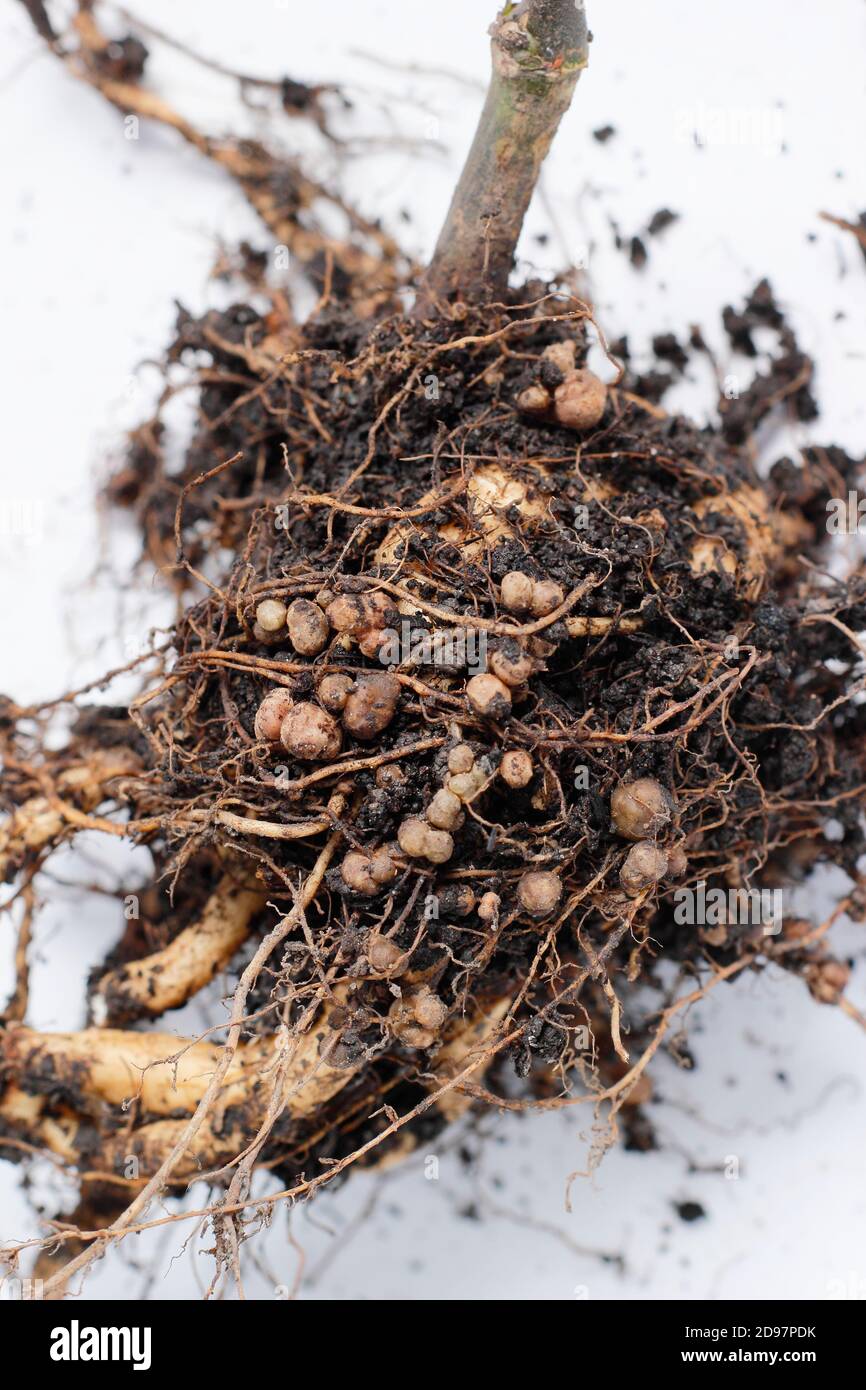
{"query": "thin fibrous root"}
{"type": "Point", "coordinates": [41, 820]}
{"type": "Point", "coordinates": [276, 186]}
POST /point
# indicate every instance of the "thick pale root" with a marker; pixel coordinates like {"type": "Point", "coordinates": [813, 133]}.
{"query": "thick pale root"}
{"type": "Point", "coordinates": [101, 1070]}
{"type": "Point", "coordinates": [165, 980]}
{"type": "Point", "coordinates": [493, 491]}
{"type": "Point", "coordinates": [467, 1037]}
{"type": "Point", "coordinates": [748, 508]}
{"type": "Point", "coordinates": [26, 1116]}
{"type": "Point", "coordinates": [129, 1156]}
{"type": "Point", "coordinates": [490, 492]}
{"type": "Point", "coordinates": [166, 1074]}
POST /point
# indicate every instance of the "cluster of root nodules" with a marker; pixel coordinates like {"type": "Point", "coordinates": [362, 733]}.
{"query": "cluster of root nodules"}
{"type": "Point", "coordinates": [503, 661]}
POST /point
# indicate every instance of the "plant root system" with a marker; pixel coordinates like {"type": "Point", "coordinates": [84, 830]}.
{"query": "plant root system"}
{"type": "Point", "coordinates": [504, 663]}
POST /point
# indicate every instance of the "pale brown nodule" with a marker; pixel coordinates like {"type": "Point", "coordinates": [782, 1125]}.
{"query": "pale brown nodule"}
{"type": "Point", "coordinates": [371, 704]}
{"type": "Point", "coordinates": [489, 696]}
{"type": "Point", "coordinates": [516, 768]}
{"type": "Point", "coordinates": [368, 874]}
{"type": "Point", "coordinates": [461, 758]}
{"type": "Point", "coordinates": [539, 892]}
{"type": "Point", "coordinates": [579, 402]}
{"type": "Point", "coordinates": [309, 629]}
{"type": "Point", "coordinates": [333, 692]}
{"type": "Point", "coordinates": [310, 733]}
{"type": "Point", "coordinates": [271, 615]}
{"type": "Point", "coordinates": [516, 592]}
{"type": "Point", "coordinates": [644, 865]}
{"type": "Point", "coordinates": [271, 713]}
{"type": "Point", "coordinates": [445, 811]}
{"type": "Point", "coordinates": [419, 840]}
{"type": "Point", "coordinates": [640, 810]}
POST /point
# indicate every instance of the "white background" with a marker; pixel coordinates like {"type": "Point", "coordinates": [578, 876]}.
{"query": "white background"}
{"type": "Point", "coordinates": [101, 234]}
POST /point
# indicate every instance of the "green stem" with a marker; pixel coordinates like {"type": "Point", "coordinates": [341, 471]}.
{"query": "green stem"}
{"type": "Point", "coordinates": [538, 51]}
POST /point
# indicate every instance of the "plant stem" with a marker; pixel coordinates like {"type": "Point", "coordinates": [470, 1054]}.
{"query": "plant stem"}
{"type": "Point", "coordinates": [538, 51]}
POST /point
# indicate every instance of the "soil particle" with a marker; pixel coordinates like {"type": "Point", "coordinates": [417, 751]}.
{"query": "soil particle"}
{"type": "Point", "coordinates": [689, 1211]}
